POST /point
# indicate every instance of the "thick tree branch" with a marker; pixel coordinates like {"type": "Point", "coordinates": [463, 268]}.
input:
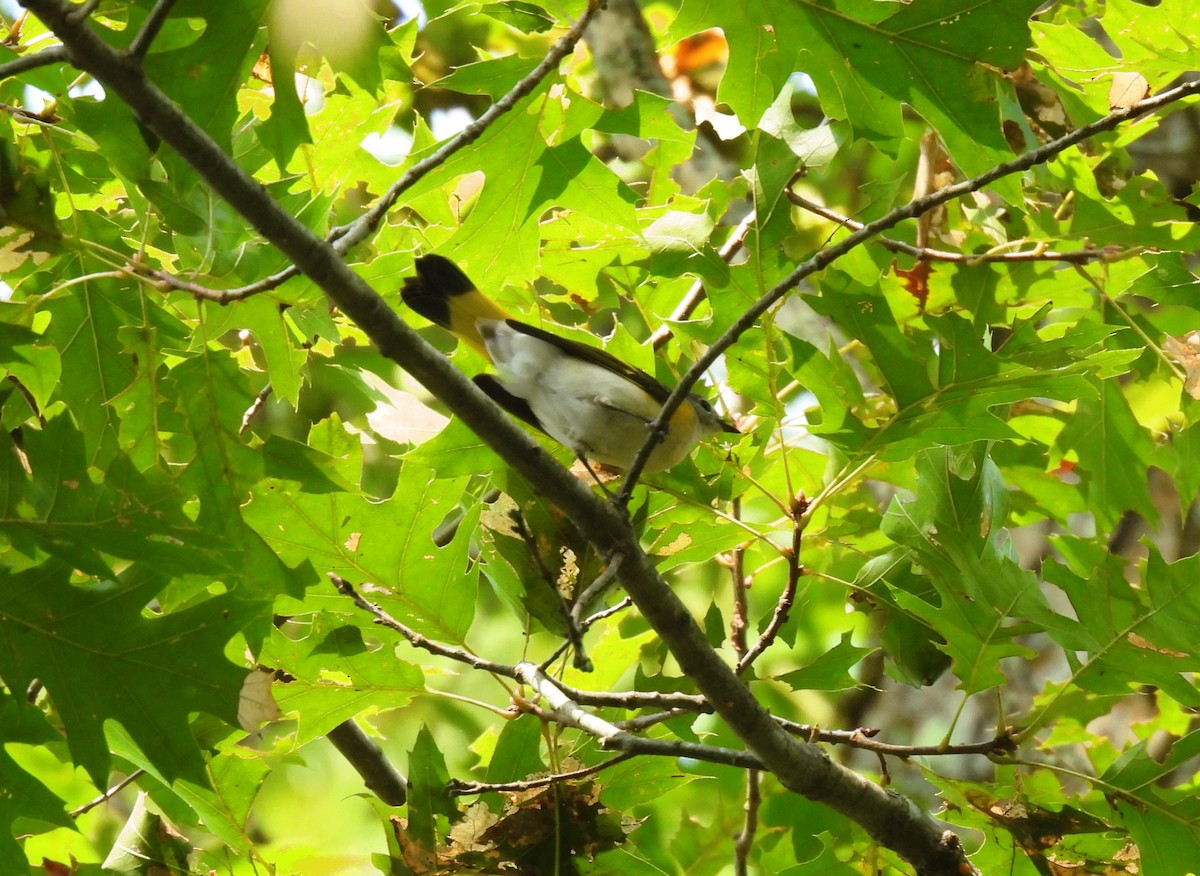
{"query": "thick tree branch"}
{"type": "Point", "coordinates": [912, 209]}
{"type": "Point", "coordinates": [345, 237]}
{"type": "Point", "coordinates": [892, 820]}
{"type": "Point", "coordinates": [378, 773]}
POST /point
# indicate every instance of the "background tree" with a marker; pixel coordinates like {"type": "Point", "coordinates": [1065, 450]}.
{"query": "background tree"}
{"type": "Point", "coordinates": [936, 610]}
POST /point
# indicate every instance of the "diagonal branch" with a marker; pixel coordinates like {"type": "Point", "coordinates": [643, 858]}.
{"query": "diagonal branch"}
{"type": "Point", "coordinates": [803, 768]}
{"type": "Point", "coordinates": [415, 639]}
{"type": "Point", "coordinates": [360, 228]}
{"type": "Point", "coordinates": [345, 237]}
{"type": "Point", "coordinates": [911, 210]}
{"type": "Point", "coordinates": [107, 795]}
{"type": "Point", "coordinates": [78, 13]}
{"type": "Point", "coordinates": [368, 760]}
{"type": "Point", "coordinates": [153, 24]}
{"type": "Point", "coordinates": [696, 293]}
{"type": "Point", "coordinates": [1040, 252]}
{"type": "Point", "coordinates": [606, 699]}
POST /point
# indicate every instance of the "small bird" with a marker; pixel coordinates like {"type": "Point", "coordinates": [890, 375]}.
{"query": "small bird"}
{"type": "Point", "coordinates": [583, 397]}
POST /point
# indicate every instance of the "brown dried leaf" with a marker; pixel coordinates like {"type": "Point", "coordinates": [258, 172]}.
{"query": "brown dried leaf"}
{"type": "Point", "coordinates": [1127, 89]}
{"type": "Point", "coordinates": [1146, 645]}
{"type": "Point", "coordinates": [1186, 350]}
{"type": "Point", "coordinates": [916, 281]}
{"type": "Point", "coordinates": [467, 834]}
{"type": "Point", "coordinates": [417, 858]}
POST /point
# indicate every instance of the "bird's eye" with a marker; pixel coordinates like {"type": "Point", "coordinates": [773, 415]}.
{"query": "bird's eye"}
{"type": "Point", "coordinates": [705, 404]}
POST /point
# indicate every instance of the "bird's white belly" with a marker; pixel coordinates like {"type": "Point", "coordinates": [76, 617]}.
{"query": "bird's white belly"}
{"type": "Point", "coordinates": [598, 414]}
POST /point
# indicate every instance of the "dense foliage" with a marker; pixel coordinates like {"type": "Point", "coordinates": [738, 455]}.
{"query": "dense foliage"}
{"type": "Point", "coordinates": [961, 516]}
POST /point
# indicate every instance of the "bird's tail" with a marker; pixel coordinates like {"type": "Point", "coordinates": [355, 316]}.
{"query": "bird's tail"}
{"type": "Point", "coordinates": [445, 296]}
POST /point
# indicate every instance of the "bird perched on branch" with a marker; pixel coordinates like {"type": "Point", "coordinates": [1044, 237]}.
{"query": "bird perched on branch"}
{"type": "Point", "coordinates": [583, 397]}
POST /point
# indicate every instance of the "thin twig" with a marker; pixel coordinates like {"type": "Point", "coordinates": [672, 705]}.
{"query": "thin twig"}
{"type": "Point", "coordinates": [257, 405]}
{"type": "Point", "coordinates": [596, 589]}
{"type": "Point", "coordinates": [863, 738]}
{"type": "Point", "coordinates": [461, 789]}
{"type": "Point", "coordinates": [150, 28]}
{"type": "Point", "coordinates": [52, 55]}
{"type": "Point", "coordinates": [744, 841]}
{"type": "Point", "coordinates": [83, 10]}
{"type": "Point", "coordinates": [585, 625]}
{"type": "Point", "coordinates": [783, 605]}
{"type": "Point", "coordinates": [1038, 254]}
{"type": "Point", "coordinates": [345, 237]}
{"type": "Point", "coordinates": [358, 230]}
{"type": "Point", "coordinates": [638, 699]}
{"type": "Point", "coordinates": [694, 295]}
{"type": "Point", "coordinates": [740, 620]}
{"type": "Point", "coordinates": [107, 795]}
{"type": "Point", "coordinates": [48, 117]}
{"type": "Point", "coordinates": [641, 722]}
{"type": "Point", "coordinates": [209, 293]}
{"type": "Point", "coordinates": [604, 699]}
{"type": "Point", "coordinates": [416, 639]}
{"type": "Point", "coordinates": [575, 626]}
{"type": "Point", "coordinates": [615, 608]}
{"type": "Point", "coordinates": [574, 637]}
{"type": "Point", "coordinates": [220, 296]}
{"type": "Point", "coordinates": [603, 581]}
{"type": "Point", "coordinates": [832, 253]}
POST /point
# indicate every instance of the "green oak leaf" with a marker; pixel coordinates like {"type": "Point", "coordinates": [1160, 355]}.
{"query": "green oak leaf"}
{"type": "Point", "coordinates": [334, 675]}
{"type": "Point", "coordinates": [936, 57]}
{"type": "Point", "coordinates": [100, 657]}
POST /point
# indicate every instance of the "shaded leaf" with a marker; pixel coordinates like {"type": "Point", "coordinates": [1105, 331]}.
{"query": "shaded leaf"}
{"type": "Point", "coordinates": [99, 656]}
